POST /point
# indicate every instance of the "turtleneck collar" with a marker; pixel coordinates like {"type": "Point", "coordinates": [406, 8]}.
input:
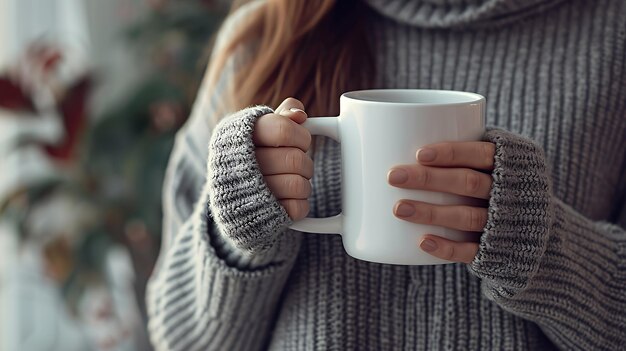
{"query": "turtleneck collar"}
{"type": "Point", "coordinates": [459, 13]}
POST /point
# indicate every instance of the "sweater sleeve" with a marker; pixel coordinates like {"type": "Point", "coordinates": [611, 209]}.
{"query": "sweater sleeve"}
{"type": "Point", "coordinates": [541, 260]}
{"type": "Point", "coordinates": [225, 255]}
{"type": "Point", "coordinates": [248, 219]}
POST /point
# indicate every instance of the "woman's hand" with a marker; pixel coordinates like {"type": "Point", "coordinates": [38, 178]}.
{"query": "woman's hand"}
{"type": "Point", "coordinates": [461, 168]}
{"type": "Point", "coordinates": [281, 145]}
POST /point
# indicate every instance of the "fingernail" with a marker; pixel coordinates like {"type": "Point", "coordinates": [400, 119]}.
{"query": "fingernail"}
{"type": "Point", "coordinates": [428, 245]}
{"type": "Point", "coordinates": [290, 112]}
{"type": "Point", "coordinates": [397, 176]}
{"type": "Point", "coordinates": [426, 155]}
{"type": "Point", "coordinates": [404, 210]}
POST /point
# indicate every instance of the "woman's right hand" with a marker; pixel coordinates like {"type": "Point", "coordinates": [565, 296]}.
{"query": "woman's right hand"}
{"type": "Point", "coordinates": [281, 145]}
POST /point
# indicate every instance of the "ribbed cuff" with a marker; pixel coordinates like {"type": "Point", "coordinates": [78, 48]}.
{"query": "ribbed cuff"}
{"type": "Point", "coordinates": [520, 215]}
{"type": "Point", "coordinates": [248, 217]}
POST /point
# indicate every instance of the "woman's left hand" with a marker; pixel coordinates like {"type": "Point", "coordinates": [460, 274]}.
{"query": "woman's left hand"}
{"type": "Point", "coordinates": [462, 168]}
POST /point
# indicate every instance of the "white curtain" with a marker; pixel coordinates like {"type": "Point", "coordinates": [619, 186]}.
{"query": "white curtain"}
{"type": "Point", "coordinates": [59, 21]}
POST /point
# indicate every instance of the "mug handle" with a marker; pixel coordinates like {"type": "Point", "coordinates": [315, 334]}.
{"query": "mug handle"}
{"type": "Point", "coordinates": [326, 126]}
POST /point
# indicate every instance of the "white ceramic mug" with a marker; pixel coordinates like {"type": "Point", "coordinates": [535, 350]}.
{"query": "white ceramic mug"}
{"type": "Point", "coordinates": [379, 129]}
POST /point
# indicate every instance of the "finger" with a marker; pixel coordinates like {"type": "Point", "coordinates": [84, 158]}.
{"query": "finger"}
{"type": "Point", "coordinates": [295, 114]}
{"type": "Point", "coordinates": [467, 218]}
{"type": "Point", "coordinates": [284, 160]}
{"type": "Point", "coordinates": [292, 108]}
{"type": "Point", "coordinates": [288, 104]}
{"type": "Point", "coordinates": [449, 250]}
{"type": "Point", "coordinates": [275, 131]}
{"type": "Point", "coordinates": [461, 181]}
{"type": "Point", "coordinates": [476, 154]}
{"type": "Point", "coordinates": [296, 209]}
{"type": "Point", "coordinates": [289, 186]}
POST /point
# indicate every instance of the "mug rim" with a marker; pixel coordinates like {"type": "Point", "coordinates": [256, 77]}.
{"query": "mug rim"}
{"type": "Point", "coordinates": [473, 97]}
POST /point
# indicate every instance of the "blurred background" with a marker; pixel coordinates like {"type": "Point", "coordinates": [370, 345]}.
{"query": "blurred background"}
{"type": "Point", "coordinates": [92, 93]}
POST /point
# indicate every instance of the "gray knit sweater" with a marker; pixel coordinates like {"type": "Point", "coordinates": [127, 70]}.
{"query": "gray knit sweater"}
{"type": "Point", "coordinates": [551, 269]}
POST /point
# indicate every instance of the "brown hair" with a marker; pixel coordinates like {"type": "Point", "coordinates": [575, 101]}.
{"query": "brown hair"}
{"type": "Point", "coordinates": [312, 50]}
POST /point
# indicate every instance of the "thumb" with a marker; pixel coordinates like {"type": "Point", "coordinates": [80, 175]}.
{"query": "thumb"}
{"type": "Point", "coordinates": [293, 109]}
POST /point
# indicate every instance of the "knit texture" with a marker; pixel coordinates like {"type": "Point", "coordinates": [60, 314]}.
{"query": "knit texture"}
{"type": "Point", "coordinates": [460, 13]}
{"type": "Point", "coordinates": [241, 203]}
{"type": "Point", "coordinates": [551, 269]}
{"type": "Point", "coordinates": [520, 214]}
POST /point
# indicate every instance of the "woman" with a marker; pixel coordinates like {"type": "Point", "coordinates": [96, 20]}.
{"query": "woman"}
{"type": "Point", "coordinates": [550, 269]}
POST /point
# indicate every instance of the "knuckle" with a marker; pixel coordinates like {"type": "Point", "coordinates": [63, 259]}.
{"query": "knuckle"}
{"type": "Point", "coordinates": [291, 185]}
{"type": "Point", "coordinates": [422, 176]}
{"type": "Point", "coordinates": [472, 182]}
{"type": "Point", "coordinates": [475, 220]}
{"type": "Point", "coordinates": [429, 214]}
{"type": "Point", "coordinates": [449, 152]}
{"type": "Point", "coordinates": [283, 132]}
{"type": "Point", "coordinates": [488, 152]}
{"type": "Point", "coordinates": [297, 186]}
{"type": "Point", "coordinates": [302, 209]}
{"type": "Point", "coordinates": [449, 253]}
{"type": "Point", "coordinates": [296, 209]}
{"type": "Point", "coordinates": [294, 159]}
